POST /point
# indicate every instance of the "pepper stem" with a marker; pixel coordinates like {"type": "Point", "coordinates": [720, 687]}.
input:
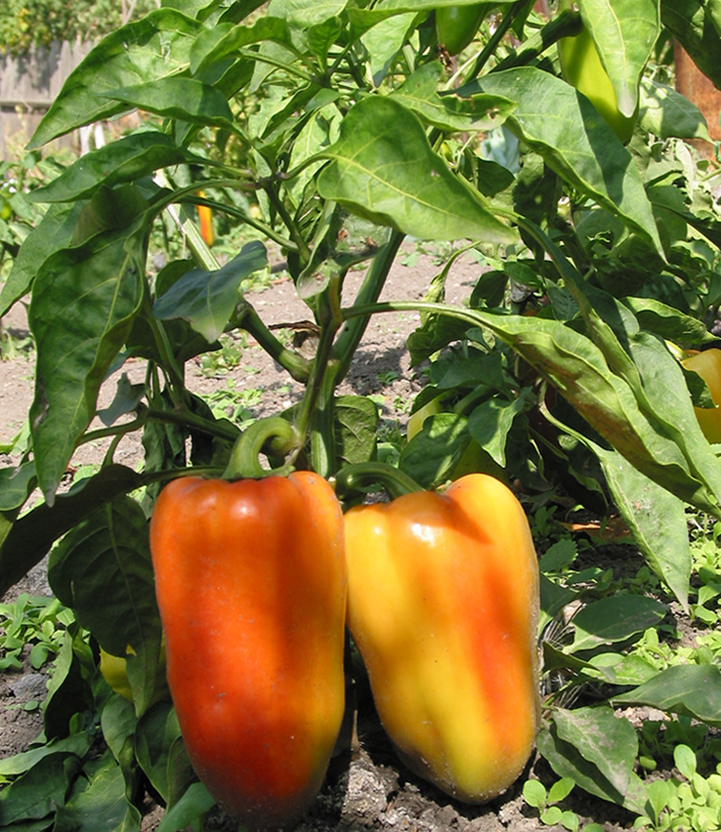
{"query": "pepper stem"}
{"type": "Point", "coordinates": [353, 478]}
{"type": "Point", "coordinates": [274, 437]}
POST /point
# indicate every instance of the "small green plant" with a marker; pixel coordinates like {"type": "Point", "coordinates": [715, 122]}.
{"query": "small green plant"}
{"type": "Point", "coordinates": [387, 378]}
{"type": "Point", "coordinates": [693, 803]}
{"type": "Point", "coordinates": [230, 403]}
{"type": "Point", "coordinates": [536, 795]}
{"type": "Point", "coordinates": [227, 358]}
{"type": "Point", "coordinates": [32, 620]}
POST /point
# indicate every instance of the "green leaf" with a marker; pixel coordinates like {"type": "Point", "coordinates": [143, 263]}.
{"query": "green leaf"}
{"type": "Point", "coordinates": [614, 618]}
{"type": "Point", "coordinates": [54, 232]}
{"type": "Point", "coordinates": [182, 98]}
{"type": "Point", "coordinates": [560, 790]}
{"type": "Point", "coordinates": [383, 42]}
{"type": "Point", "coordinates": [491, 422]}
{"type": "Point", "coordinates": [534, 793]}
{"type": "Point", "coordinates": [212, 45]}
{"type": "Point", "coordinates": [38, 792]}
{"type": "Point", "coordinates": [690, 690]}
{"type": "Point", "coordinates": [156, 732]}
{"type": "Point", "coordinates": [68, 692]}
{"type": "Point", "coordinates": [156, 47]}
{"type": "Point", "coordinates": [306, 12]}
{"type": "Point", "coordinates": [562, 126]}
{"type": "Point", "coordinates": [356, 429]}
{"type": "Point", "coordinates": [625, 32]}
{"type": "Point", "coordinates": [98, 803]}
{"type": "Point", "coordinates": [83, 305]}
{"type": "Point", "coordinates": [118, 722]}
{"type": "Point", "coordinates": [597, 751]}
{"type": "Point", "coordinates": [429, 458]}
{"type": "Point", "coordinates": [207, 300]}
{"type": "Point", "coordinates": [30, 538]}
{"type": "Point", "coordinates": [103, 570]}
{"type": "Point", "coordinates": [124, 160]}
{"type": "Point", "coordinates": [16, 485]}
{"type": "Point", "coordinates": [668, 114]}
{"type": "Point", "coordinates": [685, 760]}
{"type": "Point", "coordinates": [419, 92]}
{"type": "Point", "coordinates": [384, 169]}
{"type": "Point", "coordinates": [669, 323]}
{"type": "Point", "coordinates": [655, 517]}
{"type": "Point", "coordinates": [578, 370]}
{"type": "Point", "coordinates": [194, 803]}
{"type": "Point", "coordinates": [76, 744]}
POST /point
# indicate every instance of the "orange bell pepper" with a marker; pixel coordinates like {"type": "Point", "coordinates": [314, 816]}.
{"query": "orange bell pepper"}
{"type": "Point", "coordinates": [443, 601]}
{"type": "Point", "coordinates": [251, 586]}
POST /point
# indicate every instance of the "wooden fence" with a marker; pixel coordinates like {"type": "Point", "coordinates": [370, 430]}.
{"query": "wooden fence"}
{"type": "Point", "coordinates": [28, 85]}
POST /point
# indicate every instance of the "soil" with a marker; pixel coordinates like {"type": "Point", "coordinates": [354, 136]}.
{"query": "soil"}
{"type": "Point", "coordinates": [367, 788]}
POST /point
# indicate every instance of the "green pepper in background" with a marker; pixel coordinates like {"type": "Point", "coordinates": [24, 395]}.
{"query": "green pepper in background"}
{"type": "Point", "coordinates": [456, 26]}
{"type": "Point", "coordinates": [581, 66]}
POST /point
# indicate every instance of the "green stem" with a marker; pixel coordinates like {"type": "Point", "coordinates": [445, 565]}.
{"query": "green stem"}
{"type": "Point", "coordinates": [294, 364]}
{"type": "Point", "coordinates": [295, 234]}
{"type": "Point", "coordinates": [117, 431]}
{"type": "Point", "coordinates": [350, 334]}
{"type": "Point", "coordinates": [354, 478]}
{"type": "Point", "coordinates": [495, 39]}
{"type": "Point", "coordinates": [319, 369]}
{"type": "Point", "coordinates": [567, 24]}
{"type": "Point", "coordinates": [184, 417]}
{"type": "Point", "coordinates": [169, 363]}
{"type": "Point", "coordinates": [277, 435]}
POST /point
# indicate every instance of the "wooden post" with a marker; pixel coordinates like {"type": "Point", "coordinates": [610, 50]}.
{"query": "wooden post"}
{"type": "Point", "coordinates": [700, 90]}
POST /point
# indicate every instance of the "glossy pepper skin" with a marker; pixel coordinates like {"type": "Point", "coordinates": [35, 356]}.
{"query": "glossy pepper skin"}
{"type": "Point", "coordinates": [251, 586]}
{"type": "Point", "coordinates": [708, 365]}
{"type": "Point", "coordinates": [456, 26]}
{"type": "Point", "coordinates": [443, 605]}
{"type": "Point", "coordinates": [581, 66]}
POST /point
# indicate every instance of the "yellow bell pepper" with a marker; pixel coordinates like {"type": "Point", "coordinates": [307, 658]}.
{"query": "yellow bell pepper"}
{"type": "Point", "coordinates": [443, 605]}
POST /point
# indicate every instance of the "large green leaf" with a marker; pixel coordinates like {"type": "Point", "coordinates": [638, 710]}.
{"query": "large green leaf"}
{"type": "Point", "coordinates": [562, 126]}
{"type": "Point", "coordinates": [384, 169]}
{"type": "Point", "coordinates": [691, 690]}
{"type": "Point", "coordinates": [180, 98]}
{"type": "Point", "coordinates": [625, 32]}
{"type": "Point", "coordinates": [83, 304]}
{"type": "Point", "coordinates": [207, 300]}
{"type": "Point", "coordinates": [156, 47]}
{"type": "Point", "coordinates": [124, 160]}
{"type": "Point", "coordinates": [102, 569]}
{"type": "Point", "coordinates": [614, 618]}
{"type": "Point", "coordinates": [597, 751]}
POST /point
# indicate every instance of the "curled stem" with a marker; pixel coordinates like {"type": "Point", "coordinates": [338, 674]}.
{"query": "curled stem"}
{"type": "Point", "coordinates": [274, 436]}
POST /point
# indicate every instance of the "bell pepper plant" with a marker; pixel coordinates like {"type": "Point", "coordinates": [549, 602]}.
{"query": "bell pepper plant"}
{"type": "Point", "coordinates": [330, 141]}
